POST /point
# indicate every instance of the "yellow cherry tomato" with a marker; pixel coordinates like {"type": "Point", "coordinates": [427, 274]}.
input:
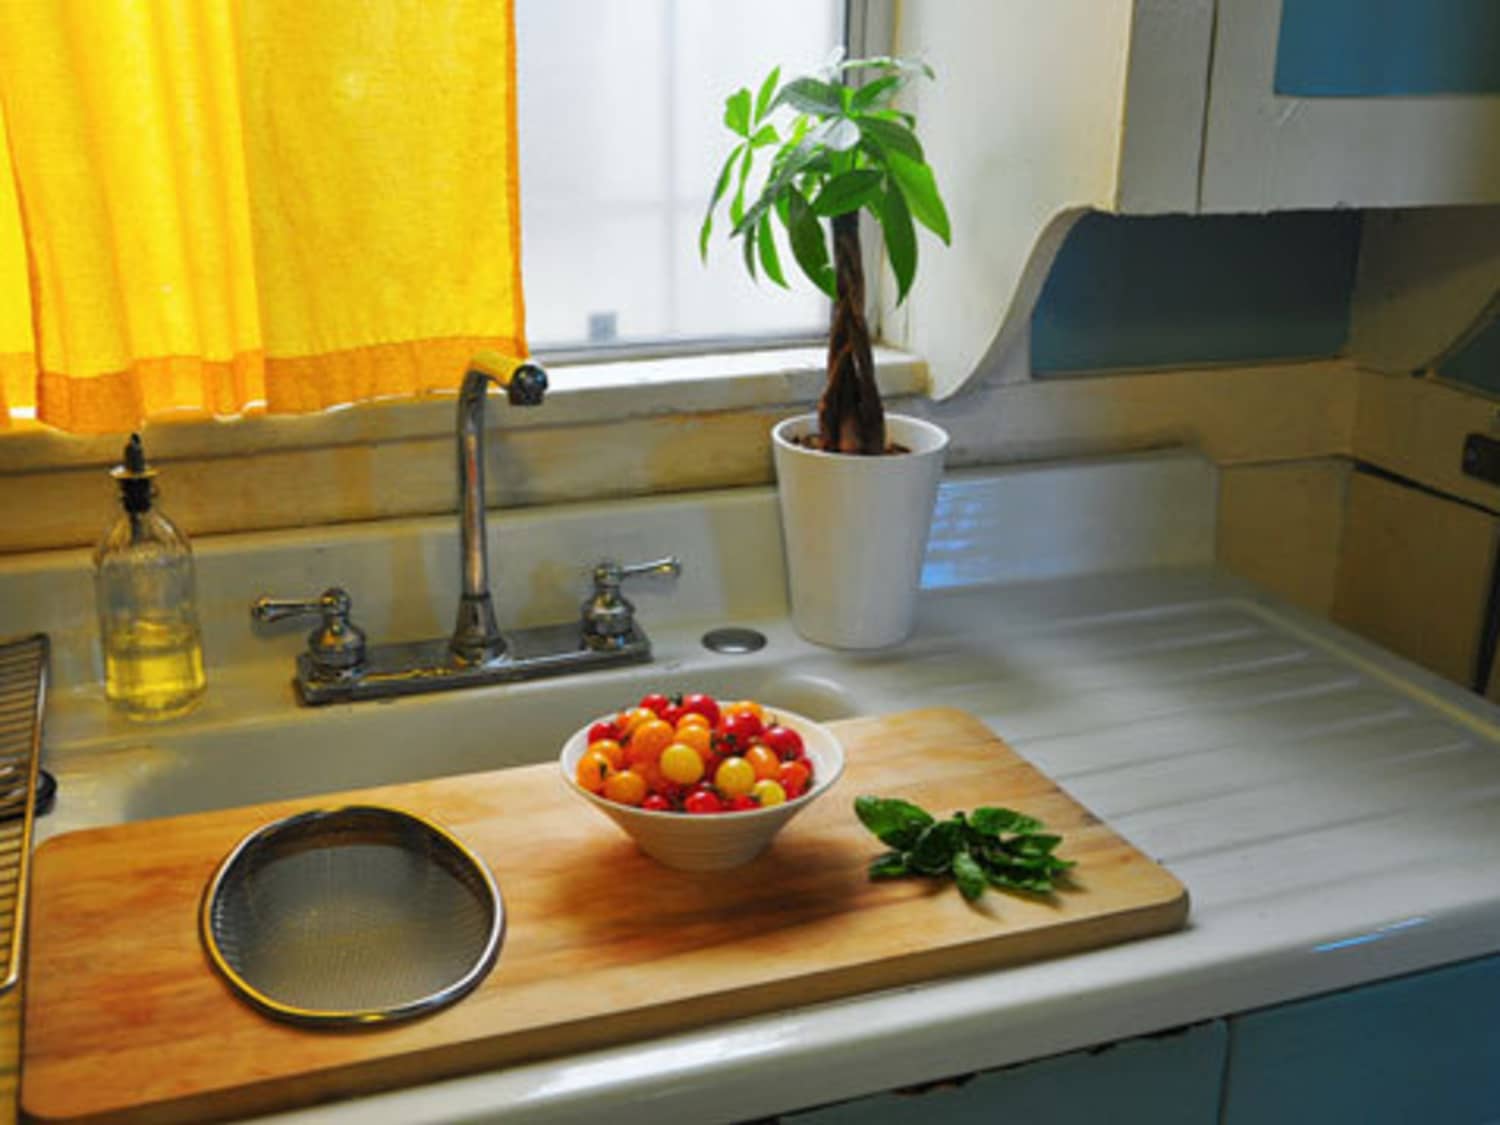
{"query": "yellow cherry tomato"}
{"type": "Point", "coordinates": [696, 735]}
{"type": "Point", "coordinates": [735, 777]}
{"type": "Point", "coordinates": [768, 793]}
{"type": "Point", "coordinates": [763, 761]}
{"type": "Point", "coordinates": [649, 740]}
{"type": "Point", "coordinates": [745, 706]}
{"type": "Point", "coordinates": [611, 749]}
{"type": "Point", "coordinates": [681, 764]}
{"type": "Point", "coordinates": [627, 787]}
{"type": "Point", "coordinates": [593, 770]}
{"type": "Point", "coordinates": [693, 719]}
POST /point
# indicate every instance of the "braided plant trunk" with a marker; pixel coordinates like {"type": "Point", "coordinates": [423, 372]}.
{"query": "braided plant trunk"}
{"type": "Point", "coordinates": [850, 417]}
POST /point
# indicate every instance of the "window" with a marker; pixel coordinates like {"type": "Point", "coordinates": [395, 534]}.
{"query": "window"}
{"type": "Point", "coordinates": [620, 110]}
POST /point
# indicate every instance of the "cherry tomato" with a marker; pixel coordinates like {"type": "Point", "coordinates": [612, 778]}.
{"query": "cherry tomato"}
{"type": "Point", "coordinates": [769, 793]}
{"type": "Point", "coordinates": [704, 705]}
{"type": "Point", "coordinates": [693, 719]}
{"type": "Point", "coordinates": [611, 750]}
{"type": "Point", "coordinates": [633, 719]}
{"type": "Point", "coordinates": [627, 787]}
{"type": "Point", "coordinates": [701, 801]}
{"type": "Point", "coordinates": [671, 713]}
{"type": "Point", "coordinates": [785, 741]}
{"type": "Point", "coordinates": [734, 776]}
{"type": "Point", "coordinates": [593, 769]}
{"type": "Point", "coordinates": [696, 736]}
{"type": "Point", "coordinates": [743, 803]}
{"type": "Point", "coordinates": [602, 730]}
{"type": "Point", "coordinates": [746, 707]}
{"type": "Point", "coordinates": [763, 761]}
{"type": "Point", "coordinates": [794, 778]}
{"type": "Point", "coordinates": [681, 764]}
{"type": "Point", "coordinates": [739, 730]}
{"type": "Point", "coordinates": [655, 702]}
{"type": "Point", "coordinates": [649, 740]}
{"type": "Point", "coordinates": [655, 802]}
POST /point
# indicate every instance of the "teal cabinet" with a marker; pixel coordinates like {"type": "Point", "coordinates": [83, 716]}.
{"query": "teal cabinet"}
{"type": "Point", "coordinates": [1423, 1048]}
{"type": "Point", "coordinates": [1171, 1079]}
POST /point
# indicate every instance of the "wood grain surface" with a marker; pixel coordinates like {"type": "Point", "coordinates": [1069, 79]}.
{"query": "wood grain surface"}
{"type": "Point", "coordinates": [126, 1021]}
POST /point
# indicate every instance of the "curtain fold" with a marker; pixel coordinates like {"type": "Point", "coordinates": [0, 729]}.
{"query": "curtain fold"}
{"type": "Point", "coordinates": [230, 207]}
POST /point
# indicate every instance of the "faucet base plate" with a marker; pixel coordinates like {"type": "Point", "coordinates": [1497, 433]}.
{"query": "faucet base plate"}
{"type": "Point", "coordinates": [425, 666]}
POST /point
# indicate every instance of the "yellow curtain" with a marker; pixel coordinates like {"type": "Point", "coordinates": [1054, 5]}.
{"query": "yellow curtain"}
{"type": "Point", "coordinates": [279, 204]}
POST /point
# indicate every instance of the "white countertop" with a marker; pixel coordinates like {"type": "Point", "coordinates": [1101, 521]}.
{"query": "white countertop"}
{"type": "Point", "coordinates": [1334, 813]}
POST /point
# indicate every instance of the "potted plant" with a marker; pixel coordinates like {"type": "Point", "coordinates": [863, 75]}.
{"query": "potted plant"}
{"type": "Point", "coordinates": [856, 485]}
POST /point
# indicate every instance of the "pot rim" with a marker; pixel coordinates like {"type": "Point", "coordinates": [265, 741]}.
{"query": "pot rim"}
{"type": "Point", "coordinates": [780, 436]}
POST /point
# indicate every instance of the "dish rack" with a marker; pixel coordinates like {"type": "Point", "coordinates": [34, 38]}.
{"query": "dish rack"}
{"type": "Point", "coordinates": [23, 697]}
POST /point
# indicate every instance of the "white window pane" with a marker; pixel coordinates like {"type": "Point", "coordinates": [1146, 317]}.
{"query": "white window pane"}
{"type": "Point", "coordinates": [621, 108]}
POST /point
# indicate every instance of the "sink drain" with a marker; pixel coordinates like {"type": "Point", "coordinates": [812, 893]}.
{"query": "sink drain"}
{"type": "Point", "coordinates": [734, 641]}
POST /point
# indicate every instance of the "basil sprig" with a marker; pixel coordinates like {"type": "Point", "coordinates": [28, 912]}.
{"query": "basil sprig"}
{"type": "Point", "coordinates": [989, 847]}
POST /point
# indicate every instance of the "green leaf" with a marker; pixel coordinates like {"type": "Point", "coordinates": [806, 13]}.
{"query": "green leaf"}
{"type": "Point", "coordinates": [969, 875]}
{"type": "Point", "coordinates": [770, 260]}
{"type": "Point", "coordinates": [872, 93]}
{"type": "Point", "coordinates": [810, 248]}
{"type": "Point", "coordinates": [749, 248]}
{"type": "Point", "coordinates": [900, 240]}
{"type": "Point", "coordinates": [891, 865]}
{"type": "Point", "coordinates": [909, 67]}
{"type": "Point", "coordinates": [719, 187]}
{"type": "Point", "coordinates": [936, 847]}
{"type": "Point", "coordinates": [809, 95]}
{"type": "Point", "coordinates": [765, 135]}
{"type": "Point", "coordinates": [837, 133]}
{"type": "Point", "coordinates": [1037, 845]}
{"type": "Point", "coordinates": [737, 204]}
{"type": "Point", "coordinates": [895, 823]}
{"type": "Point", "coordinates": [995, 821]}
{"type": "Point", "coordinates": [848, 192]}
{"type": "Point", "coordinates": [737, 112]}
{"type": "Point", "coordinates": [920, 188]}
{"type": "Point", "coordinates": [767, 92]}
{"type": "Point", "coordinates": [890, 137]}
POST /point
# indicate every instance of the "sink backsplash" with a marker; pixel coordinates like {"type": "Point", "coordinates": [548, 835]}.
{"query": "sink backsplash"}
{"type": "Point", "coordinates": [995, 525]}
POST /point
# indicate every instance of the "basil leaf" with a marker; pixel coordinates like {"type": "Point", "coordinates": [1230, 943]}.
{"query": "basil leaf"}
{"type": "Point", "coordinates": [891, 865]}
{"type": "Point", "coordinates": [935, 848]}
{"type": "Point", "coordinates": [895, 823]}
{"type": "Point", "coordinates": [969, 875]}
{"type": "Point", "coordinates": [996, 821]}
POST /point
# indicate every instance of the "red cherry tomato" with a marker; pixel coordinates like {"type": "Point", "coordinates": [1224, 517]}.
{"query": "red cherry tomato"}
{"type": "Point", "coordinates": [743, 803]}
{"type": "Point", "coordinates": [785, 741]}
{"type": "Point", "coordinates": [655, 802]}
{"type": "Point", "coordinates": [794, 777]}
{"type": "Point", "coordinates": [702, 802]}
{"type": "Point", "coordinates": [604, 731]}
{"type": "Point", "coordinates": [672, 712]}
{"type": "Point", "coordinates": [742, 727]}
{"type": "Point", "coordinates": [704, 705]}
{"type": "Point", "coordinates": [655, 701]}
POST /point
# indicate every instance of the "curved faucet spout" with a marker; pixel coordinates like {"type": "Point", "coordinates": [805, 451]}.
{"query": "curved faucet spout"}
{"type": "Point", "coordinates": [476, 637]}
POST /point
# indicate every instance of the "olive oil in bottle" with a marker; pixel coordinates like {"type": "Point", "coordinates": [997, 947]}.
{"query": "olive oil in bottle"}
{"type": "Point", "coordinates": [148, 619]}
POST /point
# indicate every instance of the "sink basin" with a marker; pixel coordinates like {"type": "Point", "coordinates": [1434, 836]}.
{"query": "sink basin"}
{"type": "Point", "coordinates": [289, 751]}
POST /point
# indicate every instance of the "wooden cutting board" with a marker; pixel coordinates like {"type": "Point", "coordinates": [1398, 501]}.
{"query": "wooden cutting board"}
{"type": "Point", "coordinates": [126, 1021]}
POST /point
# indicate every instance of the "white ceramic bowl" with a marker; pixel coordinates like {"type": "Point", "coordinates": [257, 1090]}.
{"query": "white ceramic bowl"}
{"type": "Point", "coordinates": [714, 841]}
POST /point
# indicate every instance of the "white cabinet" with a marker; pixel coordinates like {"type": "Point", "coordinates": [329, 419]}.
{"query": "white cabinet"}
{"type": "Point", "coordinates": [1044, 110]}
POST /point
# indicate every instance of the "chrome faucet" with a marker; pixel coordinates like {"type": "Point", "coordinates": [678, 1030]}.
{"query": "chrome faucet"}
{"type": "Point", "coordinates": [476, 637]}
{"type": "Point", "coordinates": [338, 666]}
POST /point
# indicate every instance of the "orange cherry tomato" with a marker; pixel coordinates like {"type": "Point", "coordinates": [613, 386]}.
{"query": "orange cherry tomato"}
{"type": "Point", "coordinates": [763, 761]}
{"type": "Point", "coordinates": [794, 778]}
{"type": "Point", "coordinates": [611, 750]}
{"type": "Point", "coordinates": [649, 740]}
{"type": "Point", "coordinates": [627, 787]}
{"type": "Point", "coordinates": [593, 770]}
{"type": "Point", "coordinates": [698, 736]}
{"type": "Point", "coordinates": [693, 719]}
{"type": "Point", "coordinates": [633, 719]}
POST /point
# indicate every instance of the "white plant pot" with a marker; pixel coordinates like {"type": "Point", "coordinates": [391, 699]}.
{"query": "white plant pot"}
{"type": "Point", "coordinates": [856, 530]}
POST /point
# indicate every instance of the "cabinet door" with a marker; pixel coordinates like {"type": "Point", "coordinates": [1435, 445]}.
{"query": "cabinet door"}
{"type": "Point", "coordinates": [1424, 1048]}
{"type": "Point", "coordinates": [1171, 1079]}
{"type": "Point", "coordinates": [1269, 151]}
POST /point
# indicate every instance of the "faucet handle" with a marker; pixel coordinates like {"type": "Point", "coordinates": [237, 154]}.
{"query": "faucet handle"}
{"type": "Point", "coordinates": [335, 646]}
{"type": "Point", "coordinates": [608, 617]}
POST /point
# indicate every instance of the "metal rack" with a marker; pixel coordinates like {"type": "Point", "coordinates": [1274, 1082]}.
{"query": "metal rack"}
{"type": "Point", "coordinates": [23, 697]}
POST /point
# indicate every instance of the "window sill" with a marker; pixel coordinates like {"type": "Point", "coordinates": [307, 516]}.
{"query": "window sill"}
{"type": "Point", "coordinates": [581, 394]}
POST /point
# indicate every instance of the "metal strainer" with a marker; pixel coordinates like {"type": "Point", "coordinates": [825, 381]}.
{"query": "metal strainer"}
{"type": "Point", "coordinates": [354, 915]}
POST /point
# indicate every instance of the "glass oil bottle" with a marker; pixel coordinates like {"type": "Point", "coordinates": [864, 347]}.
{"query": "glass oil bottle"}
{"type": "Point", "coordinates": [144, 589]}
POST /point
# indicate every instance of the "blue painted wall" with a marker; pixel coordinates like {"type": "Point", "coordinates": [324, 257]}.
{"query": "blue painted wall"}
{"type": "Point", "coordinates": [1174, 290]}
{"type": "Point", "coordinates": [1384, 48]}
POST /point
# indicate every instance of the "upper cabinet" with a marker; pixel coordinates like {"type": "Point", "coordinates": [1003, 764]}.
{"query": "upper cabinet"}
{"type": "Point", "coordinates": [1044, 111]}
